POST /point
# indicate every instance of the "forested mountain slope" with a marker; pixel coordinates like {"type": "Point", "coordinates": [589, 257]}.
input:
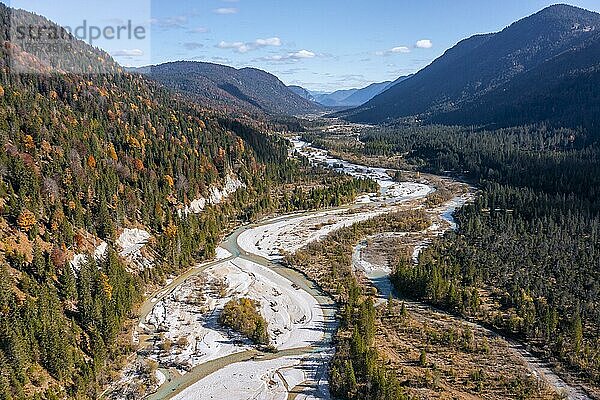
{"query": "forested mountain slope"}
{"type": "Point", "coordinates": [81, 159]}
{"type": "Point", "coordinates": [248, 89]}
{"type": "Point", "coordinates": [544, 67]}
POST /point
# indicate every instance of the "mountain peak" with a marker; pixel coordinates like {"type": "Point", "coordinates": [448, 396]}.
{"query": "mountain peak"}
{"type": "Point", "coordinates": [567, 13]}
{"type": "Point", "coordinates": [564, 10]}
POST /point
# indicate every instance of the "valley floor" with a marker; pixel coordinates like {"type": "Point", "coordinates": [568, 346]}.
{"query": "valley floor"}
{"type": "Point", "coordinates": [184, 353]}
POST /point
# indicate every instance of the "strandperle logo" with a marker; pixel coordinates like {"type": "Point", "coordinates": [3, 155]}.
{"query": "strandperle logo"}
{"type": "Point", "coordinates": [118, 31]}
{"type": "Point", "coordinates": [85, 32]}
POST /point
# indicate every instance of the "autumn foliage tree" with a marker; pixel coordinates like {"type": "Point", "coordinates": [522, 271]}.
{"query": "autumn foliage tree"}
{"type": "Point", "coordinates": [91, 162]}
{"type": "Point", "coordinates": [26, 220]}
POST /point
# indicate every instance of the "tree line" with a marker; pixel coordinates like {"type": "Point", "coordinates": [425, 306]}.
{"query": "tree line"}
{"type": "Point", "coordinates": [527, 248]}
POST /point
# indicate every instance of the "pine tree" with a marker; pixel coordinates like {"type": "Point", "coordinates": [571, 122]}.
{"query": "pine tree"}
{"type": "Point", "coordinates": [68, 287]}
{"type": "Point", "coordinates": [423, 358]}
{"type": "Point", "coordinates": [390, 305]}
{"type": "Point", "coordinates": [577, 331]}
{"type": "Point", "coordinates": [349, 378]}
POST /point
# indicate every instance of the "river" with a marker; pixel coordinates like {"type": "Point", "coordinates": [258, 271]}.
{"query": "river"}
{"type": "Point", "coordinates": [212, 363]}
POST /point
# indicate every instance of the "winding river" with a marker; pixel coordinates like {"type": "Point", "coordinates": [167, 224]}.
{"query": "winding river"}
{"type": "Point", "coordinates": [215, 364]}
{"type": "Point", "coordinates": [300, 316]}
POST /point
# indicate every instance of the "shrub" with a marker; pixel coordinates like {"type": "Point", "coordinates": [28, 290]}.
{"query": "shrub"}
{"type": "Point", "coordinates": [242, 315]}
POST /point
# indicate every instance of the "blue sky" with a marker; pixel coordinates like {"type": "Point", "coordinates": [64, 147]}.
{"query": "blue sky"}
{"type": "Point", "coordinates": [319, 44]}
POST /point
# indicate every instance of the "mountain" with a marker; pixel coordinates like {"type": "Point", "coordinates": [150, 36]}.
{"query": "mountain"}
{"type": "Point", "coordinates": [361, 96]}
{"type": "Point", "coordinates": [348, 97]}
{"type": "Point", "coordinates": [397, 81]}
{"type": "Point", "coordinates": [543, 67]}
{"type": "Point", "coordinates": [300, 91]}
{"type": "Point", "coordinates": [27, 53]}
{"type": "Point", "coordinates": [219, 86]}
{"type": "Point", "coordinates": [335, 99]}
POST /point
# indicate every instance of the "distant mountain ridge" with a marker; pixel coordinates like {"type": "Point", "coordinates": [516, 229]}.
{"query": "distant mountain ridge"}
{"type": "Point", "coordinates": [362, 96]}
{"type": "Point", "coordinates": [347, 97]}
{"type": "Point", "coordinates": [337, 98]}
{"type": "Point", "coordinates": [248, 90]}
{"type": "Point", "coordinates": [543, 67]}
{"type": "Point", "coordinates": [365, 94]}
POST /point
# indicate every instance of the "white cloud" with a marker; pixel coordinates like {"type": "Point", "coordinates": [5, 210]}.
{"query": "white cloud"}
{"type": "Point", "coordinates": [128, 53]}
{"type": "Point", "coordinates": [303, 54]}
{"type": "Point", "coordinates": [424, 44]}
{"type": "Point", "coordinates": [225, 10]}
{"type": "Point", "coordinates": [242, 47]}
{"type": "Point", "coordinates": [178, 21]}
{"type": "Point", "coordinates": [274, 41]}
{"type": "Point", "coordinates": [218, 60]}
{"type": "Point", "coordinates": [290, 57]}
{"type": "Point", "coordinates": [394, 50]}
{"type": "Point", "coordinates": [400, 49]}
